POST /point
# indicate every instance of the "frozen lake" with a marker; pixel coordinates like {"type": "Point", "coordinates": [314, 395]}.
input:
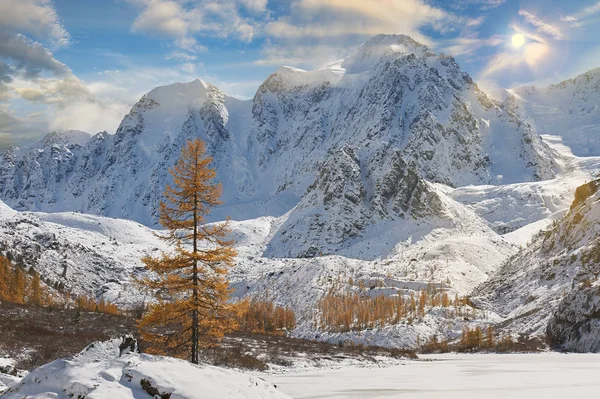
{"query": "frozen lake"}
{"type": "Point", "coordinates": [460, 376]}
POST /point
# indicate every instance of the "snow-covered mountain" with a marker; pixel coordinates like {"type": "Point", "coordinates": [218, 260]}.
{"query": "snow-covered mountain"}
{"type": "Point", "coordinates": [551, 286]}
{"type": "Point", "coordinates": [569, 109]}
{"type": "Point", "coordinates": [391, 98]}
{"type": "Point", "coordinates": [389, 168]}
{"type": "Point", "coordinates": [122, 174]}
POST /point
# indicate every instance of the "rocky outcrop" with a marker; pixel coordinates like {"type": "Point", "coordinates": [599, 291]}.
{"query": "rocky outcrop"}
{"type": "Point", "coordinates": [552, 286]}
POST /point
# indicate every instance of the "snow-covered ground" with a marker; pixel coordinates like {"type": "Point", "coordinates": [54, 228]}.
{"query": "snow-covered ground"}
{"type": "Point", "coordinates": [455, 376]}
{"type": "Point", "coordinates": [108, 370]}
{"type": "Point", "coordinates": [8, 374]}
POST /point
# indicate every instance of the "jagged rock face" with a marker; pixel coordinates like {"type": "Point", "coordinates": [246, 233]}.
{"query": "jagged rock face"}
{"type": "Point", "coordinates": [552, 285]}
{"type": "Point", "coordinates": [356, 189]}
{"type": "Point", "coordinates": [394, 90]}
{"type": "Point", "coordinates": [25, 177]}
{"type": "Point", "coordinates": [576, 324]}
{"type": "Point", "coordinates": [419, 110]}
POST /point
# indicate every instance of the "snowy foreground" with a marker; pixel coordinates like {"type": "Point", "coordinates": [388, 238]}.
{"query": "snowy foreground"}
{"type": "Point", "coordinates": [103, 371]}
{"type": "Point", "coordinates": [449, 376]}
{"type": "Point", "coordinates": [111, 370]}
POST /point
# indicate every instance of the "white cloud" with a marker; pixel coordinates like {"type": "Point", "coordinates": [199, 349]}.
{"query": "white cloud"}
{"type": "Point", "coordinates": [330, 18]}
{"type": "Point", "coordinates": [245, 32]}
{"type": "Point", "coordinates": [469, 45]}
{"type": "Point", "coordinates": [529, 56]}
{"type": "Point", "coordinates": [72, 104]}
{"type": "Point", "coordinates": [89, 116]}
{"type": "Point", "coordinates": [181, 56]}
{"type": "Point", "coordinates": [35, 17]}
{"type": "Point", "coordinates": [28, 57]}
{"type": "Point", "coordinates": [163, 17]}
{"type": "Point", "coordinates": [475, 22]}
{"type": "Point", "coordinates": [190, 44]}
{"type": "Point", "coordinates": [581, 17]}
{"type": "Point", "coordinates": [482, 4]}
{"type": "Point", "coordinates": [569, 19]}
{"type": "Point", "coordinates": [29, 66]}
{"type": "Point", "coordinates": [53, 91]}
{"type": "Point", "coordinates": [325, 24]}
{"type": "Point", "coordinates": [256, 6]}
{"type": "Point", "coordinates": [182, 21]}
{"type": "Point", "coordinates": [99, 102]}
{"type": "Point", "coordinates": [298, 54]}
{"type": "Point", "coordinates": [29, 71]}
{"type": "Point", "coordinates": [541, 26]}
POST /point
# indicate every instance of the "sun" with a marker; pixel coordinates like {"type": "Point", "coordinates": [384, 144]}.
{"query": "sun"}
{"type": "Point", "coordinates": [518, 40]}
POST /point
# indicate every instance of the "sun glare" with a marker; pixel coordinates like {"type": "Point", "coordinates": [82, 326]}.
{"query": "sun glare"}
{"type": "Point", "coordinates": [518, 40]}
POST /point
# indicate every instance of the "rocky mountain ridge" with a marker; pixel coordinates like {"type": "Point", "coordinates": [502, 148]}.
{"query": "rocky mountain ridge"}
{"type": "Point", "coordinates": [568, 109]}
{"type": "Point", "coordinates": [551, 286]}
{"type": "Point", "coordinates": [409, 116]}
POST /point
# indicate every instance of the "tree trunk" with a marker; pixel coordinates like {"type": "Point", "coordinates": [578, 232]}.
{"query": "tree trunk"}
{"type": "Point", "coordinates": [195, 284]}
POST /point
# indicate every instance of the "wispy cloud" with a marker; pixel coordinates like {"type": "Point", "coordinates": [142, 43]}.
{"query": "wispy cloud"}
{"type": "Point", "coordinates": [331, 18]}
{"type": "Point", "coordinates": [481, 4]}
{"type": "Point", "coordinates": [28, 57]}
{"type": "Point", "coordinates": [26, 63]}
{"type": "Point", "coordinates": [313, 29]}
{"type": "Point", "coordinates": [17, 131]}
{"type": "Point", "coordinates": [581, 17]}
{"type": "Point", "coordinates": [183, 21]}
{"type": "Point", "coordinates": [541, 26]}
{"type": "Point", "coordinates": [475, 22]}
{"type": "Point", "coordinates": [469, 45]}
{"type": "Point", "coordinates": [181, 56]}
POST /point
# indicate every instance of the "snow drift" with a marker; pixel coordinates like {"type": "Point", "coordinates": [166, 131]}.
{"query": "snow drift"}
{"type": "Point", "coordinates": [111, 370]}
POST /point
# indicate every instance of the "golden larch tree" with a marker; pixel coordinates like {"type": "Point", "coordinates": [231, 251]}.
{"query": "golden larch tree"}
{"type": "Point", "coordinates": [35, 289]}
{"type": "Point", "coordinates": [192, 291]}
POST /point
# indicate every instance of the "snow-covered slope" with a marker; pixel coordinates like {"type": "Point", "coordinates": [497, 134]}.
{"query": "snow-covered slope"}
{"type": "Point", "coordinates": [110, 370]}
{"type": "Point", "coordinates": [569, 109]}
{"type": "Point", "coordinates": [451, 246]}
{"type": "Point", "coordinates": [83, 253]}
{"type": "Point", "coordinates": [366, 209]}
{"type": "Point", "coordinates": [552, 284]}
{"type": "Point", "coordinates": [392, 97]}
{"type": "Point", "coordinates": [101, 254]}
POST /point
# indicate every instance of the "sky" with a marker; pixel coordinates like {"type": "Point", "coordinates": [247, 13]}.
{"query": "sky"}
{"type": "Point", "coordinates": [82, 64]}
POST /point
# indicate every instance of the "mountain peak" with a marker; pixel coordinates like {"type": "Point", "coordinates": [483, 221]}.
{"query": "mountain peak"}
{"type": "Point", "coordinates": [370, 52]}
{"type": "Point", "coordinates": [193, 92]}
{"type": "Point", "coordinates": [65, 138]}
{"type": "Point", "coordinates": [389, 40]}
